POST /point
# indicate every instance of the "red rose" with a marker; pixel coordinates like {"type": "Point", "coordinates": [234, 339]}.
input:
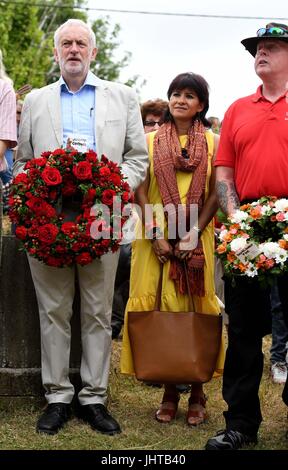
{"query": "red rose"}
{"type": "Point", "coordinates": [54, 262]}
{"type": "Point", "coordinates": [126, 186]}
{"type": "Point", "coordinates": [83, 258]}
{"type": "Point", "coordinates": [107, 196]}
{"type": "Point", "coordinates": [34, 173]}
{"type": "Point", "coordinates": [21, 232]}
{"type": "Point", "coordinates": [21, 178]}
{"type": "Point", "coordinates": [50, 212]}
{"type": "Point", "coordinates": [45, 154]}
{"type": "Point", "coordinates": [91, 156]}
{"type": "Point", "coordinates": [125, 196]}
{"type": "Point", "coordinates": [69, 228]}
{"type": "Point", "coordinates": [66, 160]}
{"type": "Point", "coordinates": [40, 161]}
{"type": "Point", "coordinates": [51, 176]}
{"type": "Point", "coordinates": [104, 171]}
{"type": "Point", "coordinates": [105, 243]}
{"type": "Point", "coordinates": [58, 152]}
{"type": "Point", "coordinates": [115, 179]}
{"type": "Point", "coordinates": [77, 246]}
{"type": "Point", "coordinates": [89, 196]}
{"type": "Point", "coordinates": [83, 170]}
{"type": "Point", "coordinates": [48, 233]}
{"type": "Point", "coordinates": [36, 205]}
{"type": "Point", "coordinates": [60, 249]}
{"type": "Point", "coordinates": [33, 232]}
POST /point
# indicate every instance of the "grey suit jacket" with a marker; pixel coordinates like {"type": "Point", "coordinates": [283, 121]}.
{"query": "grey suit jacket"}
{"type": "Point", "coordinates": [118, 128]}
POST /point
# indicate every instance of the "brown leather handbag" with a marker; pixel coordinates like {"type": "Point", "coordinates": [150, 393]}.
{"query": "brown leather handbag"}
{"type": "Point", "coordinates": [174, 347]}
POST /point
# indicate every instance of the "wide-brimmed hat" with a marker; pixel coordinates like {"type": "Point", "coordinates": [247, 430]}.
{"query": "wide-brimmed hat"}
{"type": "Point", "coordinates": [271, 31]}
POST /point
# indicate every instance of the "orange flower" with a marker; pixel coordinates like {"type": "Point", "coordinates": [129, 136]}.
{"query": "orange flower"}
{"type": "Point", "coordinates": [242, 267]}
{"type": "Point", "coordinates": [227, 237]}
{"type": "Point", "coordinates": [221, 248]}
{"type": "Point", "coordinates": [231, 256]}
{"type": "Point", "coordinates": [261, 262]}
{"type": "Point", "coordinates": [234, 226]}
{"type": "Point", "coordinates": [283, 244]}
{"type": "Point", "coordinates": [255, 212]}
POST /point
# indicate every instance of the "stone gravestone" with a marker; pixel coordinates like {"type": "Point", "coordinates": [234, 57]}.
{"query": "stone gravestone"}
{"type": "Point", "coordinates": [20, 365]}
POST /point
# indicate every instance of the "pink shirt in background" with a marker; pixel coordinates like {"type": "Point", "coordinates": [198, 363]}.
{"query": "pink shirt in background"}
{"type": "Point", "coordinates": [8, 128]}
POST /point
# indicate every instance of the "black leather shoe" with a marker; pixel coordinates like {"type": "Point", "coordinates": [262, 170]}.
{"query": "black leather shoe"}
{"type": "Point", "coordinates": [230, 440]}
{"type": "Point", "coordinates": [99, 419]}
{"type": "Point", "coordinates": [53, 418]}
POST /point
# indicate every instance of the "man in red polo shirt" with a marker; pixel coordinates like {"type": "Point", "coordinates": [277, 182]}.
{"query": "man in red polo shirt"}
{"type": "Point", "coordinates": [252, 162]}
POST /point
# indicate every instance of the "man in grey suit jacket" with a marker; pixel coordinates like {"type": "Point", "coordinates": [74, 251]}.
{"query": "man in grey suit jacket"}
{"type": "Point", "coordinates": [106, 117]}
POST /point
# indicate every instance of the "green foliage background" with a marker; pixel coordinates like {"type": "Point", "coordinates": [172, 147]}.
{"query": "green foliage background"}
{"type": "Point", "coordinates": [26, 33]}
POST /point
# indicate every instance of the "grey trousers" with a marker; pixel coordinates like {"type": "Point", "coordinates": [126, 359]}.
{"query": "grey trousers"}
{"type": "Point", "coordinates": [55, 293]}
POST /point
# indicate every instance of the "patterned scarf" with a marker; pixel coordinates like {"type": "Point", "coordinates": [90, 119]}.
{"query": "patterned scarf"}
{"type": "Point", "coordinates": [168, 158]}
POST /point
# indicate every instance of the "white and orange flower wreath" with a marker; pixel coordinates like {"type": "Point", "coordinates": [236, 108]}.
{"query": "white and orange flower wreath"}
{"type": "Point", "coordinates": [254, 241]}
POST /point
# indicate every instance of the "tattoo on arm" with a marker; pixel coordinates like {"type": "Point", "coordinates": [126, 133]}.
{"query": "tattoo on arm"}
{"type": "Point", "coordinates": [227, 196]}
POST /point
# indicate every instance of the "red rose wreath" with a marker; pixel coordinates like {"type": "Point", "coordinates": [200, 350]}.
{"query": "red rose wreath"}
{"type": "Point", "coordinates": [67, 175]}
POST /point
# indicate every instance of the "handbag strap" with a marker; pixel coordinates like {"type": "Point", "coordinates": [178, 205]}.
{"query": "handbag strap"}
{"type": "Point", "coordinates": [159, 290]}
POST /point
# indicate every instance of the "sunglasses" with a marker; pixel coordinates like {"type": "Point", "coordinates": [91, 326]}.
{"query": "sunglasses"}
{"type": "Point", "coordinates": [273, 31]}
{"type": "Point", "coordinates": [153, 123]}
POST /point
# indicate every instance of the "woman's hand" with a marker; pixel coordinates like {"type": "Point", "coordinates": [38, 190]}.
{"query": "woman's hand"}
{"type": "Point", "coordinates": [185, 246]}
{"type": "Point", "coordinates": [162, 249]}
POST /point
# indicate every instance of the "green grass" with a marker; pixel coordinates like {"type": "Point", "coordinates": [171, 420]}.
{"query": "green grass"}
{"type": "Point", "coordinates": [134, 404]}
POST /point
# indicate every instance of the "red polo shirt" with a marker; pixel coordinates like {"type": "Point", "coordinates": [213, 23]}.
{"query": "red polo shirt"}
{"type": "Point", "coordinates": [254, 141]}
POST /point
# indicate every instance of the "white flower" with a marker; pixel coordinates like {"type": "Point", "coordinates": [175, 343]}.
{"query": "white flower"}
{"type": "Point", "coordinates": [265, 210]}
{"type": "Point", "coordinates": [238, 244]}
{"type": "Point", "coordinates": [222, 234]}
{"type": "Point", "coordinates": [244, 226]}
{"type": "Point", "coordinates": [280, 205]}
{"type": "Point", "coordinates": [281, 258]}
{"type": "Point", "coordinates": [285, 236]}
{"type": "Point", "coordinates": [251, 270]}
{"type": "Point", "coordinates": [273, 250]}
{"type": "Point", "coordinates": [238, 216]}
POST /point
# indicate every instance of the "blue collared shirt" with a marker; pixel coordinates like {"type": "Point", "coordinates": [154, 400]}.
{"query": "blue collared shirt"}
{"type": "Point", "coordinates": [78, 111]}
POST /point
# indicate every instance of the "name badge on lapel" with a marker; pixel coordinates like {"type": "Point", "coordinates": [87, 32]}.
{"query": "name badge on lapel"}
{"type": "Point", "coordinates": [78, 143]}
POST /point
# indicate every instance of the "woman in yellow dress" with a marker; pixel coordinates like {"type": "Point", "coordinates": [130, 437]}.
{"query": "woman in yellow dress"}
{"type": "Point", "coordinates": [181, 173]}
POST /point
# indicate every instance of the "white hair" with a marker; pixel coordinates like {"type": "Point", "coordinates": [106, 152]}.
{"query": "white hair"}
{"type": "Point", "coordinates": [76, 22]}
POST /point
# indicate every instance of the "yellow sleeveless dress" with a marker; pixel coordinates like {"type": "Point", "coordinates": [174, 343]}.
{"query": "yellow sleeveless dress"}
{"type": "Point", "coordinates": [145, 268]}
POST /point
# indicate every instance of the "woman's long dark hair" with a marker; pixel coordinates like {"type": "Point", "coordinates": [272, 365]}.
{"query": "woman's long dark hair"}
{"type": "Point", "coordinates": [198, 85]}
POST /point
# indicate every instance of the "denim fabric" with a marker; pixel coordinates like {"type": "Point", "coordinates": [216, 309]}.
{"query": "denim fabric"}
{"type": "Point", "coordinates": [6, 175]}
{"type": "Point", "coordinates": [279, 328]}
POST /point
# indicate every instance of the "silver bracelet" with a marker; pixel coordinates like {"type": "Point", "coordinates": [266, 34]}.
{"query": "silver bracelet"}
{"type": "Point", "coordinates": [198, 230]}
